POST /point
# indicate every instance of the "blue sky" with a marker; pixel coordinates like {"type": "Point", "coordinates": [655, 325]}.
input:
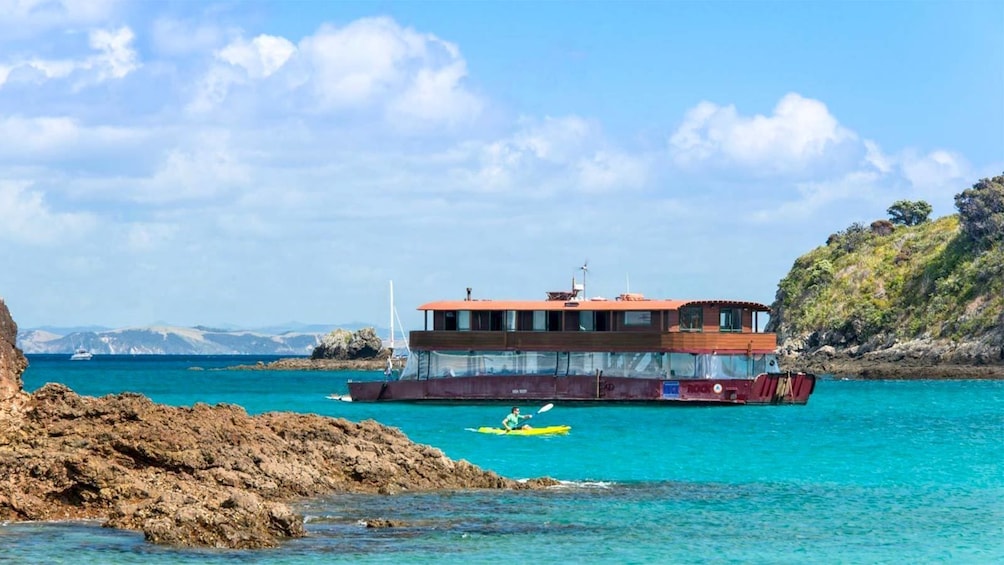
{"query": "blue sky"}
{"type": "Point", "coordinates": [255, 163]}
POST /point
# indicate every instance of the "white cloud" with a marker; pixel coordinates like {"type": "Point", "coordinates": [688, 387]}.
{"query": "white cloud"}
{"type": "Point", "coordinates": [26, 218]}
{"type": "Point", "coordinates": [259, 57]}
{"type": "Point", "coordinates": [875, 158]}
{"type": "Point", "coordinates": [371, 65]}
{"type": "Point", "coordinates": [567, 154]}
{"type": "Point", "coordinates": [115, 58]}
{"type": "Point", "coordinates": [19, 134]}
{"type": "Point", "coordinates": [435, 95]}
{"type": "Point", "coordinates": [800, 133]}
{"type": "Point", "coordinates": [935, 169]}
{"type": "Point", "coordinates": [368, 58]}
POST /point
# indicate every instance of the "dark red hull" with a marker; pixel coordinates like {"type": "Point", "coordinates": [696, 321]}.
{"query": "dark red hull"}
{"type": "Point", "coordinates": [774, 388]}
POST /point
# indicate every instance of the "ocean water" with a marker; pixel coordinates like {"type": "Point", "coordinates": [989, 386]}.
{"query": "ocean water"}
{"type": "Point", "coordinates": [867, 472]}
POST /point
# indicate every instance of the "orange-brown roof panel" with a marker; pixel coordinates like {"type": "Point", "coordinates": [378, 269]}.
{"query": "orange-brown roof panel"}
{"type": "Point", "coordinates": [598, 305]}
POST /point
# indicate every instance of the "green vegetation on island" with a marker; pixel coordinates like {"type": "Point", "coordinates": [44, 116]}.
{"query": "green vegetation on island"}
{"type": "Point", "coordinates": [907, 278]}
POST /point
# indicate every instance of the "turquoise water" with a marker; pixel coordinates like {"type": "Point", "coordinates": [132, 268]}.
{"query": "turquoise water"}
{"type": "Point", "coordinates": [867, 472]}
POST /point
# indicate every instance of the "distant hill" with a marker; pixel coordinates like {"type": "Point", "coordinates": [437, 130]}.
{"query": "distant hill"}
{"type": "Point", "coordinates": [170, 340]}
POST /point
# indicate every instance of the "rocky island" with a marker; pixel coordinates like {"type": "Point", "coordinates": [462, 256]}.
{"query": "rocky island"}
{"type": "Point", "coordinates": [205, 476]}
{"type": "Point", "coordinates": [902, 298]}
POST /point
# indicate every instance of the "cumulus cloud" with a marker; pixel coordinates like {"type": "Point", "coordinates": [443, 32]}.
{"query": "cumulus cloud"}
{"type": "Point", "coordinates": [374, 65]}
{"type": "Point", "coordinates": [799, 134]}
{"type": "Point", "coordinates": [26, 218]}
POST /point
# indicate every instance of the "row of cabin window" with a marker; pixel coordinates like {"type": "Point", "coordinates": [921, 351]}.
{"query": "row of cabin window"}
{"type": "Point", "coordinates": [691, 320]}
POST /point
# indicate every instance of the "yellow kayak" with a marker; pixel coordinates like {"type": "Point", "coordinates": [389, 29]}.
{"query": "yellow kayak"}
{"type": "Point", "coordinates": [549, 430]}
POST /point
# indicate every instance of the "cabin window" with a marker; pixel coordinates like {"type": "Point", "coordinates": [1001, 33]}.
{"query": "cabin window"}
{"type": "Point", "coordinates": [524, 321]}
{"type": "Point", "coordinates": [539, 321]}
{"type": "Point", "coordinates": [497, 320]}
{"type": "Point", "coordinates": [602, 320]}
{"type": "Point", "coordinates": [586, 321]}
{"type": "Point", "coordinates": [572, 321]}
{"type": "Point", "coordinates": [450, 321]}
{"type": "Point", "coordinates": [730, 320]}
{"type": "Point", "coordinates": [554, 320]}
{"type": "Point", "coordinates": [480, 320]}
{"type": "Point", "coordinates": [510, 320]}
{"type": "Point", "coordinates": [637, 318]}
{"type": "Point", "coordinates": [691, 319]}
{"type": "Point", "coordinates": [464, 320]}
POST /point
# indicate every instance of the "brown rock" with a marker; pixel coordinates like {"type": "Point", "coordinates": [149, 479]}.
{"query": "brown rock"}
{"type": "Point", "coordinates": [207, 476]}
{"type": "Point", "coordinates": [12, 361]}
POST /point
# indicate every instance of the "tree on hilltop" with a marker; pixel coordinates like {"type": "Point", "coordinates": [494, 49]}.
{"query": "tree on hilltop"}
{"type": "Point", "coordinates": [908, 212]}
{"type": "Point", "coordinates": [981, 211]}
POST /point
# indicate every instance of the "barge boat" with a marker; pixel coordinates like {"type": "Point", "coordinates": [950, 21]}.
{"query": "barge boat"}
{"type": "Point", "coordinates": [568, 348]}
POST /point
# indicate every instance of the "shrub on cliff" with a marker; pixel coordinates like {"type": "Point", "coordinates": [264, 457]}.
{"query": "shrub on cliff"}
{"type": "Point", "coordinates": [981, 211]}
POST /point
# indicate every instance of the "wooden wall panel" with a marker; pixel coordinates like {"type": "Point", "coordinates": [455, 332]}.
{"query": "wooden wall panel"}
{"type": "Point", "coordinates": [596, 341]}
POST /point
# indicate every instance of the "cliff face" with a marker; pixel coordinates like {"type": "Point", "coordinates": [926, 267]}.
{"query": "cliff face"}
{"type": "Point", "coordinates": [209, 476]}
{"type": "Point", "coordinates": [908, 301]}
{"type": "Point", "coordinates": [12, 361]}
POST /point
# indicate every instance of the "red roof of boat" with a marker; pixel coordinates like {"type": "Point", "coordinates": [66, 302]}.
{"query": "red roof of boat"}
{"type": "Point", "coordinates": [643, 304]}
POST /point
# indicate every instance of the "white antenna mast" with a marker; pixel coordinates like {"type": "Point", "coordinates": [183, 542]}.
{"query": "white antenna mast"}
{"type": "Point", "coordinates": [584, 268]}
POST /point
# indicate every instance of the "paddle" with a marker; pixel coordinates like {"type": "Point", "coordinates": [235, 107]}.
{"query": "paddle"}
{"type": "Point", "coordinates": [541, 410]}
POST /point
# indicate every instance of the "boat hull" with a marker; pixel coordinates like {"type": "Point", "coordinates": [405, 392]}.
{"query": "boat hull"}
{"type": "Point", "coordinates": [546, 431]}
{"type": "Point", "coordinates": [767, 388]}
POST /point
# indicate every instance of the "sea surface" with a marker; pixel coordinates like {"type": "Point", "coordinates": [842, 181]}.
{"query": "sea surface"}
{"type": "Point", "coordinates": [866, 472]}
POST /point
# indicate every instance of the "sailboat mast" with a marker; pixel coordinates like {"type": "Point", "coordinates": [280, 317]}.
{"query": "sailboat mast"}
{"type": "Point", "coordinates": [392, 315]}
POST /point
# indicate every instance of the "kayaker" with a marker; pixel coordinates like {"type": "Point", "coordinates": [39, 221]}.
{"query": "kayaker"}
{"type": "Point", "coordinates": [511, 421]}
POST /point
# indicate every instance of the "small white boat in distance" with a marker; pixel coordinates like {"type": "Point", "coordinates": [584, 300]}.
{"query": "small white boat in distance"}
{"type": "Point", "coordinates": [81, 355]}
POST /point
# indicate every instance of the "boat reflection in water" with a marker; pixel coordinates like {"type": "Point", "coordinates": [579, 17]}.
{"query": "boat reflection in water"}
{"type": "Point", "coordinates": [592, 350]}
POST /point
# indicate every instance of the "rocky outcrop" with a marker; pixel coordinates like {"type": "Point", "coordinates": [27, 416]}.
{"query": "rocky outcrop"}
{"type": "Point", "coordinates": [927, 358]}
{"type": "Point", "coordinates": [205, 476]}
{"type": "Point", "coordinates": [345, 345]}
{"type": "Point", "coordinates": [307, 364]}
{"type": "Point", "coordinates": [12, 361]}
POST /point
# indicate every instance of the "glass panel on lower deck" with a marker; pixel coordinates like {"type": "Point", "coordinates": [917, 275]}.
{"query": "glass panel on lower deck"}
{"type": "Point", "coordinates": [446, 364]}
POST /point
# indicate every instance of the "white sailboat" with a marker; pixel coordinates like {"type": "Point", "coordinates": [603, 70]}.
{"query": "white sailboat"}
{"type": "Point", "coordinates": [391, 343]}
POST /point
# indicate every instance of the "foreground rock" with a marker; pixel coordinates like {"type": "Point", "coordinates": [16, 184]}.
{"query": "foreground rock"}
{"type": "Point", "coordinates": [206, 476]}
